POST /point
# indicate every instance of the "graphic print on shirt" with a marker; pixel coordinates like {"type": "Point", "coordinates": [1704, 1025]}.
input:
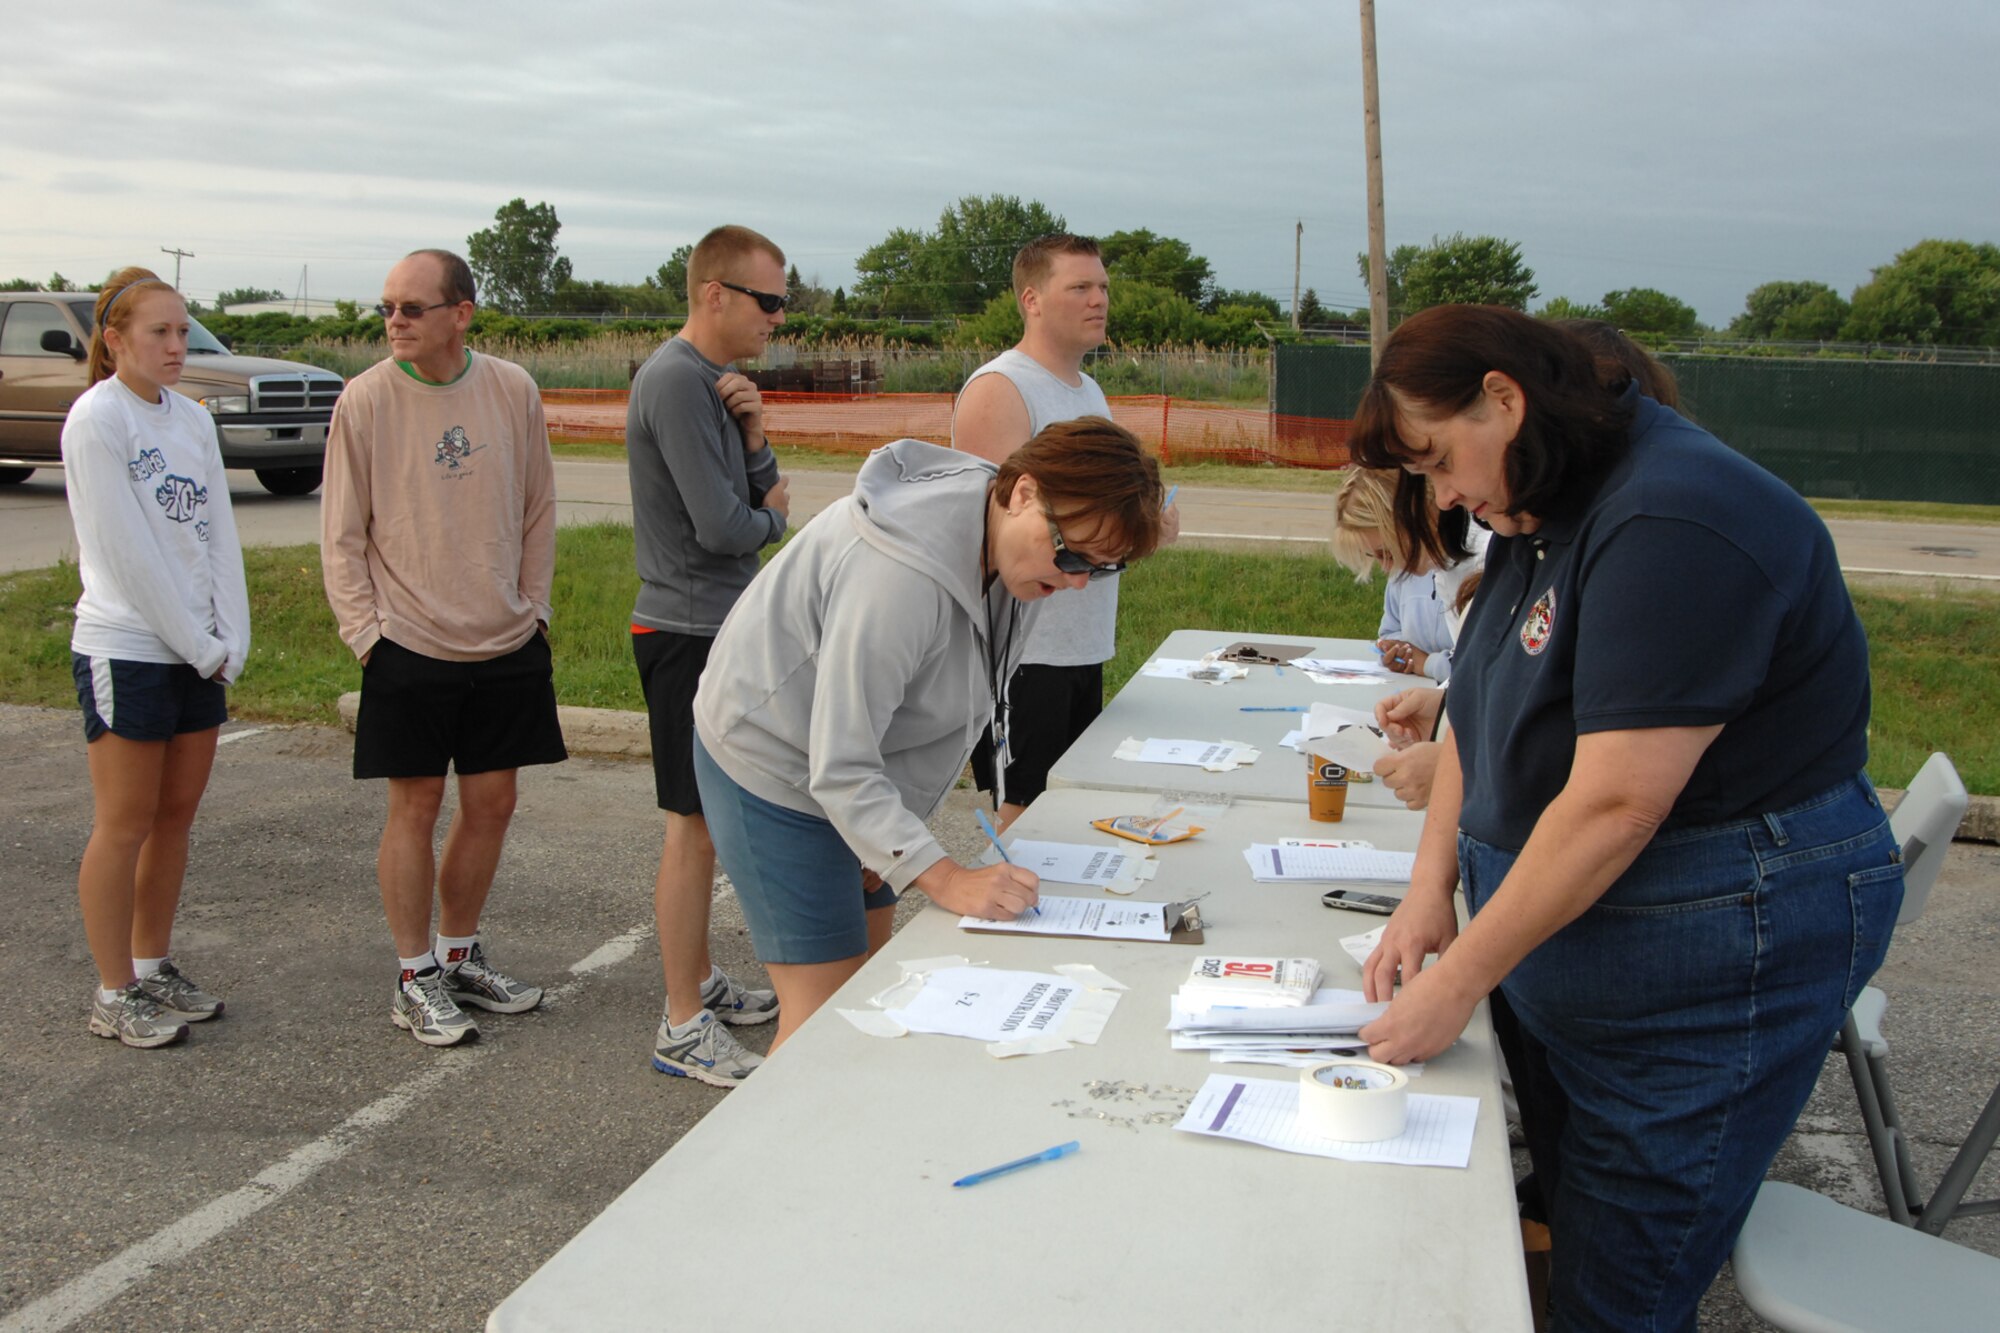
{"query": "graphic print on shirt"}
{"type": "Point", "coordinates": [455, 449]}
{"type": "Point", "coordinates": [1541, 620]}
{"type": "Point", "coordinates": [149, 463]}
{"type": "Point", "coordinates": [182, 500]}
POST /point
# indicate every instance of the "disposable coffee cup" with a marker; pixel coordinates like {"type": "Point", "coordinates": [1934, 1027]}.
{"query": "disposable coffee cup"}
{"type": "Point", "coordinates": [1326, 789]}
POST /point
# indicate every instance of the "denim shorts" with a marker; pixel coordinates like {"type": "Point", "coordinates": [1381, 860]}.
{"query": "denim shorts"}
{"type": "Point", "coordinates": [799, 884]}
{"type": "Point", "coordinates": [1684, 1019]}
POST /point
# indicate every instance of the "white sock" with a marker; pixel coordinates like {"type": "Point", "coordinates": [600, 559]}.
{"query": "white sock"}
{"type": "Point", "coordinates": [106, 996]}
{"type": "Point", "coordinates": [146, 967]}
{"type": "Point", "coordinates": [423, 962]}
{"type": "Point", "coordinates": [454, 949]}
{"type": "Point", "coordinates": [715, 979]}
{"type": "Point", "coordinates": [687, 1028]}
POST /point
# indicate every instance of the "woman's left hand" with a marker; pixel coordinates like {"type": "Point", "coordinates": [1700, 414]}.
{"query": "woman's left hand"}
{"type": "Point", "coordinates": [1400, 655]}
{"type": "Point", "coordinates": [1427, 1015]}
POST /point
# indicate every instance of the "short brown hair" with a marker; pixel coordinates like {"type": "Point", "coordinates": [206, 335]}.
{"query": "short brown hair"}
{"type": "Point", "coordinates": [715, 257]}
{"type": "Point", "coordinates": [1093, 468]}
{"type": "Point", "coordinates": [112, 312]}
{"type": "Point", "coordinates": [1033, 261]}
{"type": "Point", "coordinates": [458, 285]}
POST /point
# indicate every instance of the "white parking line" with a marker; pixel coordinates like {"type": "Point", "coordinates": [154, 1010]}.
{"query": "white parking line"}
{"type": "Point", "coordinates": [242, 735]}
{"type": "Point", "coordinates": [112, 1278]}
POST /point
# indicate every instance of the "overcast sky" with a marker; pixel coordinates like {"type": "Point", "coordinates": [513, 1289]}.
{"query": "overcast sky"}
{"type": "Point", "coordinates": [1700, 148]}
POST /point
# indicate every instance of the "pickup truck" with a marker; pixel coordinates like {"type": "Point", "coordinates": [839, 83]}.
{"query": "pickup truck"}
{"type": "Point", "coordinates": [270, 416]}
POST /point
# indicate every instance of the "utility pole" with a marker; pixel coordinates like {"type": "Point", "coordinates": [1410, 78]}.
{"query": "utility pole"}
{"type": "Point", "coordinates": [1378, 245]}
{"type": "Point", "coordinates": [1298, 239]}
{"type": "Point", "coordinates": [178, 255]}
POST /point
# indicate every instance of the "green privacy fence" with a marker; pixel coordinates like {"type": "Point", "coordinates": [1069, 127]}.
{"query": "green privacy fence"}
{"type": "Point", "coordinates": [1836, 429]}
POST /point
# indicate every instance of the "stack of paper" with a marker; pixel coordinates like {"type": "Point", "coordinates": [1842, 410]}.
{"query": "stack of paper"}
{"type": "Point", "coordinates": [1259, 983]}
{"type": "Point", "coordinates": [1298, 1034]}
{"type": "Point", "coordinates": [1276, 863]}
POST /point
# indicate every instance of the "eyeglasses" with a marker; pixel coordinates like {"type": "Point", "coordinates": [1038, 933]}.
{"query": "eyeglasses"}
{"type": "Point", "coordinates": [766, 302]}
{"type": "Point", "coordinates": [1069, 562]}
{"type": "Point", "coordinates": [410, 309]}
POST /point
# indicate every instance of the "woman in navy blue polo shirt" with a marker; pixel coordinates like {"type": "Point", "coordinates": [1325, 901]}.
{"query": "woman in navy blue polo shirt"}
{"type": "Point", "coordinates": [1675, 869]}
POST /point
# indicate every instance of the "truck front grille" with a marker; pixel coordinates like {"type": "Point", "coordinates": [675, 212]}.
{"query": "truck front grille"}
{"type": "Point", "coordinates": [312, 391]}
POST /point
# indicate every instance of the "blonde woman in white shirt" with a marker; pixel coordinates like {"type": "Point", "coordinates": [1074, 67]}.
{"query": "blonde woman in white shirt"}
{"type": "Point", "coordinates": [162, 626]}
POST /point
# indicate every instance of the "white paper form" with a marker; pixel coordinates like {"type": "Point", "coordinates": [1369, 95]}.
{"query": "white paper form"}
{"type": "Point", "coordinates": [1076, 862]}
{"type": "Point", "coordinates": [1271, 864]}
{"type": "Point", "coordinates": [1266, 1111]}
{"type": "Point", "coordinates": [1214, 756]}
{"type": "Point", "coordinates": [1342, 670]}
{"type": "Point", "coordinates": [988, 1003]}
{"type": "Point", "coordinates": [1094, 917]}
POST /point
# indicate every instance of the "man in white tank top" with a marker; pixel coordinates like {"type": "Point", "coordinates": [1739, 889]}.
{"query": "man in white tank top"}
{"type": "Point", "coordinates": [1065, 297]}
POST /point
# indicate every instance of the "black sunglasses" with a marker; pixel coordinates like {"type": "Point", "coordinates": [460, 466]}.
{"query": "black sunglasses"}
{"type": "Point", "coordinates": [410, 309]}
{"type": "Point", "coordinates": [1069, 562]}
{"type": "Point", "coordinates": [766, 302]}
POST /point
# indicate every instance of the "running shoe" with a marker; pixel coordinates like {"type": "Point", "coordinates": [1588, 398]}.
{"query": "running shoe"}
{"type": "Point", "coordinates": [710, 1053]}
{"type": "Point", "coordinates": [472, 981]}
{"type": "Point", "coordinates": [134, 1018]}
{"type": "Point", "coordinates": [424, 1008]}
{"type": "Point", "coordinates": [179, 997]}
{"type": "Point", "coordinates": [737, 1004]}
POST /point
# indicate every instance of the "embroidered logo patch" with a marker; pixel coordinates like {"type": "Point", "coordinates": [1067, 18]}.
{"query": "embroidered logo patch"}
{"type": "Point", "coordinates": [1541, 620]}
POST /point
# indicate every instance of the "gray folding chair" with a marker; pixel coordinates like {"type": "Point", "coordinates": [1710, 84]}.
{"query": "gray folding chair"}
{"type": "Point", "coordinates": [1810, 1265]}
{"type": "Point", "coordinates": [1924, 823]}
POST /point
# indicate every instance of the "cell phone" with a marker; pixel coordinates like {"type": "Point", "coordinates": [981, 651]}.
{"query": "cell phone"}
{"type": "Point", "coordinates": [1355, 901]}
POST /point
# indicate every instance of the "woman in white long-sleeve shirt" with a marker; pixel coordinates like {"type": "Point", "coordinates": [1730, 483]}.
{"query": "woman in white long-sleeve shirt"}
{"type": "Point", "coordinates": [162, 626]}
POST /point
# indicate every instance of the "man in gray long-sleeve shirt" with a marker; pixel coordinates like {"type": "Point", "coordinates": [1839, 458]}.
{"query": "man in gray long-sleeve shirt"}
{"type": "Point", "coordinates": [706, 495]}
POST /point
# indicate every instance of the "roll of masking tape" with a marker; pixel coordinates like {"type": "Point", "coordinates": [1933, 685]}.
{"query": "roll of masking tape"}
{"type": "Point", "coordinates": [1357, 1101]}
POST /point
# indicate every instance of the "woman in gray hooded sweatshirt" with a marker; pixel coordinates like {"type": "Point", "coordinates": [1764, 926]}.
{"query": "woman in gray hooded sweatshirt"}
{"type": "Point", "coordinates": [846, 689]}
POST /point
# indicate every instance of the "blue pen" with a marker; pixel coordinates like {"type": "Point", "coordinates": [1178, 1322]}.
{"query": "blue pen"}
{"type": "Point", "coordinates": [1272, 708]}
{"type": "Point", "coordinates": [1172, 491]}
{"type": "Point", "coordinates": [1048, 1155]}
{"type": "Point", "coordinates": [992, 836]}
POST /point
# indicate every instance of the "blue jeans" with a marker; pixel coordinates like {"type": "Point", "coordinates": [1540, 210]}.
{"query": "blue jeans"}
{"type": "Point", "coordinates": [1684, 1019]}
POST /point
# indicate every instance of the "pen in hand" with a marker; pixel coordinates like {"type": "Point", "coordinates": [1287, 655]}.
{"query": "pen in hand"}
{"type": "Point", "coordinates": [993, 836]}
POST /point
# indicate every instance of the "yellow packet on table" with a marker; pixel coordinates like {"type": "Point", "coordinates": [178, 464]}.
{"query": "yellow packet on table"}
{"type": "Point", "coordinates": [1147, 829]}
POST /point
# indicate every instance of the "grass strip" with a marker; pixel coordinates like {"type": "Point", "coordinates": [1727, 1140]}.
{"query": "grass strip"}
{"type": "Point", "coordinates": [1935, 658]}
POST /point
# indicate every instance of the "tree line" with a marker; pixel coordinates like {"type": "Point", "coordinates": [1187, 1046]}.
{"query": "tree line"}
{"type": "Point", "coordinates": [951, 284]}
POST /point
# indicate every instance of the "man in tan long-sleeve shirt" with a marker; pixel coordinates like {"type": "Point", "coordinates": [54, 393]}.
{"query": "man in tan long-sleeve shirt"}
{"type": "Point", "coordinates": [437, 544]}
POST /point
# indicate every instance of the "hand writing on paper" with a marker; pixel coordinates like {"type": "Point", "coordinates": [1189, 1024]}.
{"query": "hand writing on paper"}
{"type": "Point", "coordinates": [1408, 773]}
{"type": "Point", "coordinates": [1401, 655]}
{"type": "Point", "coordinates": [1409, 716]}
{"type": "Point", "coordinates": [1428, 1015]}
{"type": "Point", "coordinates": [999, 892]}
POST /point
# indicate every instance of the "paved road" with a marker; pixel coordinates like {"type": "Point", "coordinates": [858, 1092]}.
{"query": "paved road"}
{"type": "Point", "coordinates": [300, 1164]}
{"type": "Point", "coordinates": [35, 527]}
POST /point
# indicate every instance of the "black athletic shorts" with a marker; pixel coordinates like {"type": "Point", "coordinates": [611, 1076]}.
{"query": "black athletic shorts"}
{"type": "Point", "coordinates": [421, 716]}
{"type": "Point", "coordinates": [1049, 707]}
{"type": "Point", "coordinates": [670, 667]}
{"type": "Point", "coordinates": [145, 701]}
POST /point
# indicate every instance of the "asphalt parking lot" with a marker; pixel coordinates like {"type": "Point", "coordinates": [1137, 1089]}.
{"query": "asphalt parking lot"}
{"type": "Point", "coordinates": [300, 1164]}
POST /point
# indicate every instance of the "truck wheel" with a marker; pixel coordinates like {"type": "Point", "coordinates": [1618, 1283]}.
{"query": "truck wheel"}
{"type": "Point", "coordinates": [290, 480]}
{"type": "Point", "coordinates": [14, 476]}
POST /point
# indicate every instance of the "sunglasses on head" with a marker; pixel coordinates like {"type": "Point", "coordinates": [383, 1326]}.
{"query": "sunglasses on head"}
{"type": "Point", "coordinates": [1069, 562]}
{"type": "Point", "coordinates": [410, 310]}
{"type": "Point", "coordinates": [767, 302]}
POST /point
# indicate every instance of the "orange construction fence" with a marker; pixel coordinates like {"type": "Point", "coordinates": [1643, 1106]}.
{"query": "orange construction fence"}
{"type": "Point", "coordinates": [1177, 430]}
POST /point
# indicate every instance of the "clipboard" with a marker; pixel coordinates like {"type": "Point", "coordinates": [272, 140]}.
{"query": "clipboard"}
{"type": "Point", "coordinates": [1262, 654]}
{"type": "Point", "coordinates": [1184, 926]}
